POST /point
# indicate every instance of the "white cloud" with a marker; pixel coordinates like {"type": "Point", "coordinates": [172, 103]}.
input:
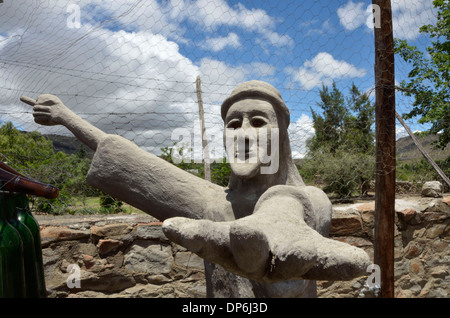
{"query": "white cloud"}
{"type": "Point", "coordinates": [220, 43]}
{"type": "Point", "coordinates": [219, 78]}
{"type": "Point", "coordinates": [299, 132]}
{"type": "Point", "coordinates": [400, 132]}
{"type": "Point", "coordinates": [213, 14]}
{"type": "Point", "coordinates": [276, 39]}
{"type": "Point", "coordinates": [133, 84]}
{"type": "Point", "coordinates": [260, 70]}
{"type": "Point", "coordinates": [352, 15]}
{"type": "Point", "coordinates": [407, 16]}
{"type": "Point", "coordinates": [323, 69]}
{"type": "Point", "coordinates": [317, 27]}
{"type": "Point", "coordinates": [136, 84]}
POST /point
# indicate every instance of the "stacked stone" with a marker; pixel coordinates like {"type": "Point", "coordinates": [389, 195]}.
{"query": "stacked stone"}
{"type": "Point", "coordinates": [422, 266]}
{"type": "Point", "coordinates": [422, 253]}
{"type": "Point", "coordinates": [129, 256]}
{"type": "Point", "coordinates": [123, 258]}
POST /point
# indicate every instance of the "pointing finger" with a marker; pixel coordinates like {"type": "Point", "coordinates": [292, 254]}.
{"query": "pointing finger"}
{"type": "Point", "coordinates": [28, 100]}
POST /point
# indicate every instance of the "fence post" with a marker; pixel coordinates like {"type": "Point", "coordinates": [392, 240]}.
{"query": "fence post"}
{"type": "Point", "coordinates": [385, 148]}
{"type": "Point", "coordinates": [205, 148]}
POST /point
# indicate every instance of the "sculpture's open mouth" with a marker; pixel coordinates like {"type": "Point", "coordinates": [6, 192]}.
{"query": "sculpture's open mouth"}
{"type": "Point", "coordinates": [245, 155]}
{"type": "Point", "coordinates": [242, 155]}
{"type": "Point", "coordinates": [246, 151]}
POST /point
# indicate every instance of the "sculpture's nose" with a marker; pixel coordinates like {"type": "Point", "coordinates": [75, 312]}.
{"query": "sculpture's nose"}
{"type": "Point", "coordinates": [247, 133]}
{"type": "Point", "coordinates": [246, 124]}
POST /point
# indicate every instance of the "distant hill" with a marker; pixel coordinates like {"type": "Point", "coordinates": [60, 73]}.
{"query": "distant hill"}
{"type": "Point", "coordinates": [68, 145]}
{"type": "Point", "coordinates": [407, 151]}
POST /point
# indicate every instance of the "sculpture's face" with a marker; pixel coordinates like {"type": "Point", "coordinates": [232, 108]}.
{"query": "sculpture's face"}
{"type": "Point", "coordinates": [249, 127]}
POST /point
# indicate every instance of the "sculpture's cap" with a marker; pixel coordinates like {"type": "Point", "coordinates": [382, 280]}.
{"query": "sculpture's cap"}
{"type": "Point", "coordinates": [257, 89]}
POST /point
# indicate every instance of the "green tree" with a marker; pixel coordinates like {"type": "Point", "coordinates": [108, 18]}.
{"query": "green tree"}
{"type": "Point", "coordinates": [23, 150]}
{"type": "Point", "coordinates": [429, 80]}
{"type": "Point", "coordinates": [220, 171]}
{"type": "Point", "coordinates": [33, 155]}
{"type": "Point", "coordinates": [344, 122]}
{"type": "Point", "coordinates": [341, 173]}
{"type": "Point", "coordinates": [342, 150]}
{"type": "Point", "coordinates": [329, 126]}
{"type": "Point", "coordinates": [359, 134]}
{"type": "Point", "coordinates": [183, 153]}
{"type": "Point", "coordinates": [81, 153]}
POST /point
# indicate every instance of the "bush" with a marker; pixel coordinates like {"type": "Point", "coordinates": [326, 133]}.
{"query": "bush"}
{"type": "Point", "coordinates": [58, 206]}
{"type": "Point", "coordinates": [110, 205]}
{"type": "Point", "coordinates": [421, 171]}
{"type": "Point", "coordinates": [33, 155]}
{"type": "Point", "coordinates": [220, 173]}
{"type": "Point", "coordinates": [343, 173]}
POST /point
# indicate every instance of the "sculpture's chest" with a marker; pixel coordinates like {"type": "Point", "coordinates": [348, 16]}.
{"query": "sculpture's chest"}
{"type": "Point", "coordinates": [223, 284]}
{"type": "Point", "coordinates": [234, 207]}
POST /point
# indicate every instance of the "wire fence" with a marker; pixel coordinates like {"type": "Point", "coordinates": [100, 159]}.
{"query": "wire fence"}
{"type": "Point", "coordinates": [130, 68]}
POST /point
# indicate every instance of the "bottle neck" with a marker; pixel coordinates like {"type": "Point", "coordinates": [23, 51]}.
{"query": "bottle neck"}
{"type": "Point", "coordinates": [7, 206]}
{"type": "Point", "coordinates": [21, 202]}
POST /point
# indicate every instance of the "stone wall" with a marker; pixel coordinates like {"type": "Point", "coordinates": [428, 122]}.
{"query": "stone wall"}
{"type": "Point", "coordinates": [129, 256]}
{"type": "Point", "coordinates": [120, 256]}
{"type": "Point", "coordinates": [422, 252]}
{"type": "Point", "coordinates": [408, 187]}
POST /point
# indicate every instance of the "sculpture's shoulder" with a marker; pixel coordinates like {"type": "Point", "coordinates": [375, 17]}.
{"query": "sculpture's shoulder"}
{"type": "Point", "coordinates": [313, 194]}
{"type": "Point", "coordinates": [316, 204]}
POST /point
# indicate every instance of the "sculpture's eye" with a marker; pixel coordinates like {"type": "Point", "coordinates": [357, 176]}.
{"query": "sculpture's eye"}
{"type": "Point", "coordinates": [234, 124]}
{"type": "Point", "coordinates": [258, 122]}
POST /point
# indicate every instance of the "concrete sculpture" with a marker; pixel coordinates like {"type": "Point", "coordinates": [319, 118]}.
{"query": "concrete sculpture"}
{"type": "Point", "coordinates": [265, 235]}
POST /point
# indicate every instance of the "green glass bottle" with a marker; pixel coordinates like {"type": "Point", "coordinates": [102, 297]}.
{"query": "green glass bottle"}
{"type": "Point", "coordinates": [25, 216]}
{"type": "Point", "coordinates": [29, 254]}
{"type": "Point", "coordinates": [11, 254]}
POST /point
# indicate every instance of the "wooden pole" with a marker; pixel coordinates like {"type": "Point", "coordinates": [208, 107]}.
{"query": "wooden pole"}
{"type": "Point", "coordinates": [201, 114]}
{"type": "Point", "coordinates": [385, 148]}
{"type": "Point", "coordinates": [424, 153]}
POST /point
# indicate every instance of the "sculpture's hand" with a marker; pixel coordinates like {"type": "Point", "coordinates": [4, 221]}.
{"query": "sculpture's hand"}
{"type": "Point", "coordinates": [48, 109]}
{"type": "Point", "coordinates": [268, 246]}
{"type": "Point", "coordinates": [236, 247]}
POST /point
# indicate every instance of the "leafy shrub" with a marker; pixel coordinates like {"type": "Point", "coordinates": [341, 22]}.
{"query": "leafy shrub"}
{"type": "Point", "coordinates": [342, 173]}
{"type": "Point", "coordinates": [110, 205]}
{"type": "Point", "coordinates": [220, 173]}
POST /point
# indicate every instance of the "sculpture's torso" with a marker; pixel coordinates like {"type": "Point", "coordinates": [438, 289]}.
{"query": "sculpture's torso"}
{"type": "Point", "coordinates": [223, 284]}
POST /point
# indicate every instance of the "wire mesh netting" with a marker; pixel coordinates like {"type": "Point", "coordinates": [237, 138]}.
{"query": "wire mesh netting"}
{"type": "Point", "coordinates": [130, 68]}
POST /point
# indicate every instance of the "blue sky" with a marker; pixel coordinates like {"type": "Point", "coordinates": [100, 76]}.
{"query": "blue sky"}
{"type": "Point", "coordinates": [134, 57]}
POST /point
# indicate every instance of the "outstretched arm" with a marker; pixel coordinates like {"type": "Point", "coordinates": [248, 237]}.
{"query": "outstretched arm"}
{"type": "Point", "coordinates": [130, 174]}
{"type": "Point", "coordinates": [49, 110]}
{"type": "Point", "coordinates": [273, 244]}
